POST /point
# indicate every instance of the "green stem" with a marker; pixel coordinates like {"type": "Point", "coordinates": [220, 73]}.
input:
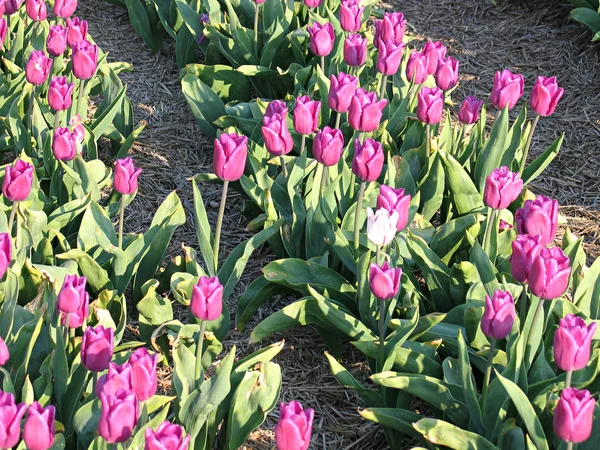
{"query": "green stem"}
{"type": "Point", "coordinates": [285, 172]}
{"type": "Point", "coordinates": [323, 64]}
{"type": "Point", "coordinates": [199, 346]}
{"type": "Point", "coordinates": [378, 255]}
{"type": "Point", "coordinates": [569, 446]}
{"type": "Point", "coordinates": [539, 315]}
{"type": "Point", "coordinates": [121, 220]}
{"type": "Point", "coordinates": [461, 138]}
{"type": "Point", "coordinates": [94, 381]}
{"type": "Point", "coordinates": [523, 304]}
{"type": "Point", "coordinates": [357, 213]}
{"type": "Point", "coordinates": [488, 373]}
{"type": "Point", "coordinates": [528, 144]}
{"type": "Point", "coordinates": [361, 137]}
{"type": "Point", "coordinates": [30, 112]}
{"type": "Point", "coordinates": [56, 120]}
{"type": "Point", "coordinates": [428, 137]}
{"type": "Point", "coordinates": [382, 314]}
{"type": "Point", "coordinates": [489, 229]}
{"type": "Point", "coordinates": [324, 179]}
{"type": "Point", "coordinates": [302, 145]}
{"type": "Point", "coordinates": [256, 16]}
{"type": "Point", "coordinates": [219, 224]}
{"type": "Point", "coordinates": [67, 322]}
{"type": "Point", "coordinates": [81, 100]}
{"type": "Point", "coordinates": [13, 213]}
{"type": "Point", "coordinates": [568, 380]}
{"type": "Point", "coordinates": [338, 120]}
{"type": "Point", "coordinates": [383, 86]}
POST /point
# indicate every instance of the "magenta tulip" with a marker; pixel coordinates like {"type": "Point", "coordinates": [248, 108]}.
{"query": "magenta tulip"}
{"type": "Point", "coordinates": [143, 373]}
{"type": "Point", "coordinates": [416, 68]}
{"type": "Point", "coordinates": [72, 294]}
{"type": "Point", "coordinates": [389, 57]}
{"type": "Point", "coordinates": [276, 135]}
{"type": "Point", "coordinates": [3, 31]}
{"type": "Point", "coordinates": [446, 75]}
{"type": "Point", "coordinates": [17, 181]}
{"type": "Point", "coordinates": [384, 281]}
{"type": "Point", "coordinates": [77, 30]}
{"type": "Point", "coordinates": [306, 115]}
{"type": "Point", "coordinates": [573, 342]}
{"type": "Point", "coordinates": [126, 176]}
{"type": "Point", "coordinates": [365, 111]}
{"type": "Point", "coordinates": [10, 420]}
{"type": "Point", "coordinates": [78, 318]}
{"type": "Point", "coordinates": [508, 89]}
{"type": "Point", "coordinates": [117, 378]}
{"type": "Point", "coordinates": [4, 353]}
{"type": "Point", "coordinates": [538, 217]}
{"type": "Point", "coordinates": [341, 91]}
{"type": "Point", "coordinates": [229, 157]}
{"type": "Point", "coordinates": [65, 8]}
{"type": "Point", "coordinates": [97, 348]}
{"type": "Point", "coordinates": [499, 315]}
{"type": "Point", "coordinates": [5, 253]}
{"type": "Point", "coordinates": [390, 28]}
{"type": "Point", "coordinates": [545, 96]}
{"type": "Point", "coordinates": [322, 38]}
{"type": "Point", "coordinates": [168, 436]}
{"type": "Point", "coordinates": [64, 144]}
{"type": "Point", "coordinates": [207, 299]}
{"type": "Point", "coordinates": [312, 3]}
{"type": "Point", "coordinates": [328, 146]}
{"type": "Point", "coordinates": [574, 415]}
{"type": "Point", "coordinates": [351, 14]}
{"type": "Point", "coordinates": [525, 249]}
{"type": "Point", "coordinates": [502, 187]}
{"type": "Point", "coordinates": [294, 429]}
{"type": "Point", "coordinates": [504, 225]}
{"type": "Point", "coordinates": [57, 40]}
{"type": "Point", "coordinates": [549, 274]}
{"type": "Point", "coordinates": [118, 416]}
{"type": "Point", "coordinates": [433, 51]}
{"type": "Point", "coordinates": [38, 432]}
{"type": "Point", "coordinates": [395, 200]}
{"type": "Point", "coordinates": [38, 67]}
{"type": "Point", "coordinates": [355, 50]}
{"type": "Point", "coordinates": [11, 7]}
{"type": "Point", "coordinates": [367, 163]}
{"type": "Point", "coordinates": [430, 105]}
{"type": "Point", "coordinates": [85, 60]}
{"type": "Point", "coordinates": [60, 94]}
{"type": "Point", "coordinates": [36, 10]}
{"type": "Point", "coordinates": [76, 125]}
{"type": "Point", "coordinates": [275, 107]}
{"type": "Point", "coordinates": [470, 110]}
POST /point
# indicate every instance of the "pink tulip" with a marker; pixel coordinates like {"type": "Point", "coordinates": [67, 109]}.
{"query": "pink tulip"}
{"type": "Point", "coordinates": [64, 144]}
{"type": "Point", "coordinates": [504, 225]}
{"type": "Point", "coordinates": [38, 67]}
{"type": "Point", "coordinates": [5, 253]}
{"type": "Point", "coordinates": [355, 50]}
{"type": "Point", "coordinates": [85, 60]}
{"type": "Point", "coordinates": [367, 163]}
{"type": "Point", "coordinates": [229, 157]}
{"type": "Point", "coordinates": [3, 31]}
{"type": "Point", "coordinates": [126, 176]}
{"type": "Point", "coordinates": [12, 6]}
{"type": "Point", "coordinates": [384, 281]}
{"type": "Point", "coordinates": [38, 432]}
{"type": "Point", "coordinates": [72, 294]}
{"type": "Point", "coordinates": [276, 135]}
{"type": "Point", "coordinates": [416, 68]}
{"type": "Point", "coordinates": [538, 217]}
{"type": "Point", "coordinates": [365, 111]}
{"type": "Point", "coordinates": [502, 187]}
{"type": "Point", "coordinates": [76, 125]}
{"type": "Point", "coordinates": [76, 31]}
{"type": "Point", "coordinates": [433, 51]}
{"type": "Point", "coordinates": [97, 348]}
{"type": "Point", "coordinates": [351, 14]}
{"type": "Point", "coordinates": [545, 96]}
{"type": "Point", "coordinates": [65, 8]}
{"type": "Point", "coordinates": [549, 274]}
{"type": "Point", "coordinates": [57, 40]}
{"type": "Point", "coordinates": [78, 318]}
{"type": "Point", "coordinates": [306, 115]}
{"type": "Point", "coordinates": [4, 353]}
{"type": "Point", "coordinates": [525, 249]}
{"type": "Point", "coordinates": [36, 10]}
{"type": "Point", "coordinates": [17, 181]}
{"type": "Point", "coordinates": [322, 38]}
{"type": "Point", "coordinates": [390, 28]}
{"type": "Point", "coordinates": [275, 107]}
{"type": "Point", "coordinates": [10, 420]}
{"type": "Point", "coordinates": [574, 415]}
{"type": "Point", "coordinates": [119, 416]}
{"type": "Point", "coordinates": [294, 429]}
{"type": "Point", "coordinates": [341, 91]}
{"type": "Point", "coordinates": [430, 105]}
{"type": "Point", "coordinates": [499, 315]}
{"type": "Point", "coordinates": [117, 378]}
{"type": "Point", "coordinates": [312, 3]}
{"type": "Point", "coordinates": [573, 342]}
{"type": "Point", "coordinates": [395, 200]}
{"type": "Point", "coordinates": [143, 373]}
{"type": "Point", "coordinates": [446, 75]}
{"type": "Point", "coordinates": [389, 57]}
{"type": "Point", "coordinates": [470, 110]}
{"type": "Point", "coordinates": [508, 89]}
{"type": "Point", "coordinates": [168, 436]}
{"type": "Point", "coordinates": [60, 94]}
{"type": "Point", "coordinates": [328, 146]}
{"type": "Point", "coordinates": [207, 299]}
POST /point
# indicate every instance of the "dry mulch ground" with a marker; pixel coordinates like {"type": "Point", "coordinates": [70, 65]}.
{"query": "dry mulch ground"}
{"type": "Point", "coordinates": [532, 37]}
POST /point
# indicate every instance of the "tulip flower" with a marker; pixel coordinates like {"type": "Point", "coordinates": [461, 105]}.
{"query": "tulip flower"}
{"type": "Point", "coordinates": [78, 318]}
{"type": "Point", "coordinates": [207, 299]}
{"type": "Point", "coordinates": [341, 91]}
{"type": "Point", "coordinates": [119, 377]}
{"type": "Point", "coordinates": [328, 146]}
{"type": "Point", "coordinates": [306, 115]}
{"type": "Point", "coordinates": [381, 226]}
{"type": "Point", "coordinates": [72, 294]}
{"type": "Point", "coordinates": [384, 281]}
{"type": "Point", "coordinates": [503, 226]}
{"type": "Point", "coordinates": [502, 187]}
{"type": "Point", "coordinates": [545, 96]}
{"type": "Point", "coordinates": [97, 348]}
{"type": "Point", "coordinates": [275, 107]}
{"type": "Point", "coordinates": [446, 75]}
{"type": "Point", "coordinates": [168, 436]}
{"type": "Point", "coordinates": [499, 315]}
{"type": "Point", "coordinates": [126, 176]}
{"type": "Point", "coordinates": [143, 373]}
{"type": "Point", "coordinates": [65, 8]}
{"type": "Point", "coordinates": [572, 343]}
{"type": "Point", "coordinates": [470, 110]}
{"type": "Point", "coordinates": [390, 28]}
{"type": "Point", "coordinates": [77, 30]}
{"type": "Point", "coordinates": [36, 10]}
{"type": "Point", "coordinates": [355, 50]}
{"type": "Point", "coordinates": [351, 14]}
{"type": "Point", "coordinates": [38, 67]}
{"type": "Point", "coordinates": [10, 420]}
{"type": "Point", "coordinates": [57, 40]}
{"type": "Point", "coordinates": [430, 105]}
{"type": "Point", "coordinates": [4, 353]}
{"type": "Point", "coordinates": [312, 3]}
{"type": "Point", "coordinates": [276, 135]}
{"type": "Point", "coordinates": [229, 158]}
{"type": "Point", "coordinates": [538, 217]}
{"type": "Point", "coordinates": [389, 57]}
{"type": "Point", "coordinates": [395, 200]}
{"type": "Point", "coordinates": [574, 416]}
{"type": "Point", "coordinates": [60, 94]}
{"type": "Point", "coordinates": [433, 51]}
{"type": "Point", "coordinates": [17, 181]}
{"type": "Point", "coordinates": [64, 144]}
{"type": "Point", "coordinates": [3, 31]}
{"type": "Point", "coordinates": [294, 429]}
{"type": "Point", "coordinates": [118, 416]}
{"type": "Point", "coordinates": [11, 7]}
{"type": "Point", "coordinates": [322, 38]}
{"type": "Point", "coordinates": [525, 249]}
{"type": "Point", "coordinates": [508, 89]}
{"type": "Point", "coordinates": [549, 274]}
{"type": "Point", "coordinates": [367, 163]}
{"type": "Point", "coordinates": [5, 253]}
{"type": "Point", "coordinates": [85, 60]}
{"type": "Point", "coordinates": [38, 432]}
{"type": "Point", "coordinates": [76, 126]}
{"type": "Point", "coordinates": [365, 111]}
{"type": "Point", "coordinates": [416, 68]}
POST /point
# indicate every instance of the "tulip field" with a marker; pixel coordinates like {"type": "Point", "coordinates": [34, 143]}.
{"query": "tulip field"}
{"type": "Point", "coordinates": [292, 225]}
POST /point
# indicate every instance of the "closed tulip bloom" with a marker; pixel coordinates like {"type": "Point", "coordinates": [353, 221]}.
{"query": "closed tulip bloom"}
{"type": "Point", "coordinates": [572, 343]}
{"type": "Point", "coordinates": [38, 432]}
{"type": "Point", "coordinates": [384, 281]}
{"type": "Point", "coordinates": [355, 50]}
{"type": "Point", "coordinates": [446, 75]}
{"type": "Point", "coordinates": [97, 348]}
{"type": "Point", "coordinates": [64, 144]}
{"type": "Point", "coordinates": [77, 30]}
{"type": "Point", "coordinates": [77, 318]}
{"type": "Point", "coordinates": [118, 378]}
{"type": "Point", "coordinates": [574, 415]}
{"type": "Point", "coordinates": [143, 373]}
{"type": "Point", "coordinates": [545, 96]}
{"type": "Point", "coordinates": [312, 3]}
{"type": "Point", "coordinates": [341, 91]}
{"type": "Point", "coordinates": [502, 187]}
{"type": "Point", "coordinates": [416, 68]}
{"type": "Point", "coordinates": [57, 40]}
{"type": "Point", "coordinates": [538, 217]}
{"type": "Point", "coordinates": [395, 200]}
{"type": "Point", "coordinates": [259, 2]}
{"type": "Point", "coordinates": [2, 7]}
{"type": "Point", "coordinates": [322, 38]}
{"type": "Point", "coordinates": [430, 105]}
{"type": "Point", "coordinates": [168, 436]}
{"type": "Point", "coordinates": [60, 93]}
{"type": "Point", "coordinates": [85, 60]}
{"type": "Point", "coordinates": [365, 111]}
{"type": "Point", "coordinates": [351, 14]}
{"type": "Point", "coordinates": [367, 163]}
{"type": "Point", "coordinates": [549, 274]}
{"type": "Point", "coordinates": [389, 57]}
{"type": "Point", "coordinates": [10, 420]}
{"type": "Point", "coordinates": [126, 176]}
{"type": "Point", "coordinates": [525, 249]}
{"type": "Point", "coordinates": [17, 181]}
{"type": "Point", "coordinates": [3, 30]}
{"type": "Point", "coordinates": [470, 110]}
{"type": "Point", "coordinates": [504, 225]}
{"type": "Point", "coordinates": [72, 294]}
{"type": "Point", "coordinates": [118, 417]}
{"type": "Point", "coordinates": [65, 8]}
{"type": "Point", "coordinates": [207, 299]}
{"type": "Point", "coordinates": [276, 135]}
{"type": "Point", "coordinates": [36, 10]}
{"type": "Point", "coordinates": [328, 146]}
{"type": "Point", "coordinates": [229, 157]}
{"type": "Point", "coordinates": [507, 90]}
{"type": "Point", "coordinates": [306, 115]}
{"type": "Point", "coordinates": [12, 6]}
{"type": "Point", "coordinates": [499, 315]}
{"type": "Point", "coordinates": [381, 226]}
{"type": "Point", "coordinates": [38, 67]}
{"type": "Point", "coordinates": [4, 353]}
{"type": "Point", "coordinates": [390, 28]}
{"type": "Point", "coordinates": [5, 253]}
{"type": "Point", "coordinates": [275, 107]}
{"type": "Point", "coordinates": [433, 51]}
{"type": "Point", "coordinates": [294, 428]}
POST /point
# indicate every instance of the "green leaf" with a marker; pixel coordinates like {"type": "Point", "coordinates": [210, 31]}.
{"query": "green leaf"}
{"type": "Point", "coordinates": [346, 379]}
{"type": "Point", "coordinates": [97, 277]}
{"type": "Point", "coordinates": [203, 231]}
{"type": "Point", "coordinates": [141, 24]}
{"type": "Point", "coordinates": [432, 188]}
{"type": "Point", "coordinates": [227, 82]}
{"type": "Point", "coordinates": [465, 196]}
{"type": "Point", "coordinates": [443, 433]}
{"type": "Point", "coordinates": [491, 154]}
{"type": "Point", "coordinates": [468, 384]}
{"type": "Point", "coordinates": [587, 17]}
{"type": "Point", "coordinates": [255, 295]}
{"type": "Point", "coordinates": [206, 105]}
{"type": "Point", "coordinates": [101, 123]}
{"type": "Point", "coordinates": [537, 166]}
{"type": "Point", "coordinates": [448, 237]}
{"type": "Point", "coordinates": [398, 419]}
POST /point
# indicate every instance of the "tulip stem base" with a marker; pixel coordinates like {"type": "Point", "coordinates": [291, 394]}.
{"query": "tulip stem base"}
{"type": "Point", "coordinates": [568, 380]}
{"type": "Point", "coordinates": [67, 323]}
{"type": "Point", "coordinates": [488, 373]}
{"type": "Point", "coordinates": [11, 220]}
{"type": "Point", "coordinates": [323, 180]}
{"type": "Point", "coordinates": [302, 145]}
{"type": "Point", "coordinates": [383, 87]}
{"type": "Point", "coordinates": [428, 143]}
{"type": "Point", "coordinates": [199, 347]}
{"type": "Point", "coordinates": [338, 120]}
{"type": "Point", "coordinates": [523, 304]}
{"type": "Point", "coordinates": [323, 64]}
{"type": "Point", "coordinates": [81, 101]}
{"type": "Point", "coordinates": [569, 446]}
{"type": "Point", "coordinates": [528, 144]}
{"type": "Point", "coordinates": [382, 314]}
{"type": "Point", "coordinates": [490, 228]}
{"type": "Point", "coordinates": [357, 214]}
{"type": "Point", "coordinates": [30, 112]}
{"type": "Point", "coordinates": [121, 220]}
{"type": "Point", "coordinates": [220, 224]}
{"type": "Point", "coordinates": [256, 17]}
{"type": "Point", "coordinates": [283, 166]}
{"type": "Point", "coordinates": [539, 316]}
{"type": "Point", "coordinates": [56, 120]}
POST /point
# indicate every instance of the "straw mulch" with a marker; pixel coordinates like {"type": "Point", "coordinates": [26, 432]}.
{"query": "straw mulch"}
{"type": "Point", "coordinates": [172, 149]}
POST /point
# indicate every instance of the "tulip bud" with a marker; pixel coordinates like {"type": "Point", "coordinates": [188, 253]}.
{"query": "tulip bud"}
{"type": "Point", "coordinates": [416, 68]}
{"type": "Point", "coordinates": [508, 89]}
{"type": "Point", "coordinates": [143, 373]}
{"type": "Point", "coordinates": [17, 181]}
{"type": "Point", "coordinates": [433, 51]}
{"type": "Point", "coordinates": [64, 144]}
{"type": "Point", "coordinates": [502, 187]}
{"type": "Point", "coordinates": [572, 343]}
{"type": "Point", "coordinates": [126, 176]}
{"type": "Point", "coordinates": [76, 31]}
{"type": "Point", "coordinates": [446, 75]}
{"type": "Point", "coordinates": [65, 8]}
{"type": "Point", "coordinates": [205, 18]}
{"type": "Point", "coordinates": [549, 274]}
{"type": "Point", "coordinates": [381, 226]}
{"type": "Point", "coordinates": [77, 318]}
{"type": "Point", "coordinates": [355, 50]}
{"type": "Point", "coordinates": [538, 217]}
{"type": "Point", "coordinates": [276, 135]}
{"type": "Point", "coordinates": [85, 60]}
{"type": "Point", "coordinates": [72, 294]}
{"type": "Point", "coordinates": [97, 348]}
{"type": "Point", "coordinates": [118, 417]}
{"type": "Point", "coordinates": [351, 14]}
{"type": "Point", "coordinates": [3, 31]}
{"type": "Point", "coordinates": [395, 200]}
{"type": "Point", "coordinates": [229, 157]}
{"type": "Point", "coordinates": [390, 28]}
{"type": "Point", "coordinates": [312, 3]}
{"type": "Point", "coordinates": [574, 415]}
{"type": "Point", "coordinates": [38, 67]}
{"type": "Point", "coordinates": [545, 95]}
{"type": "Point", "coordinates": [341, 91]}
{"type": "Point", "coordinates": [118, 378]}
{"type": "Point", "coordinates": [11, 7]}
{"type": "Point", "coordinates": [328, 146]}
{"type": "Point", "coordinates": [430, 105]}
{"type": "Point", "coordinates": [503, 225]}
{"type": "Point", "coordinates": [207, 299]}
{"type": "Point", "coordinates": [525, 249]}
{"type": "Point", "coordinates": [36, 10]}
{"type": "Point", "coordinates": [167, 436]}
{"type": "Point", "coordinates": [367, 163]}
{"type": "Point", "coordinates": [57, 40]}
{"type": "Point", "coordinates": [4, 353]}
{"type": "Point", "coordinates": [60, 94]}
{"type": "Point", "coordinates": [389, 57]}
{"type": "Point", "coordinates": [365, 111]}
{"type": "Point", "coordinates": [5, 253]}
{"type": "Point", "coordinates": [38, 432]}
{"type": "Point", "coordinates": [470, 110]}
{"type": "Point", "coordinates": [384, 281]}
{"type": "Point", "coordinates": [306, 115]}
{"type": "Point", "coordinates": [10, 420]}
{"type": "Point", "coordinates": [294, 428]}
{"type": "Point", "coordinates": [499, 315]}
{"type": "Point", "coordinates": [275, 107]}
{"type": "Point", "coordinates": [76, 125]}
{"type": "Point", "coordinates": [322, 38]}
